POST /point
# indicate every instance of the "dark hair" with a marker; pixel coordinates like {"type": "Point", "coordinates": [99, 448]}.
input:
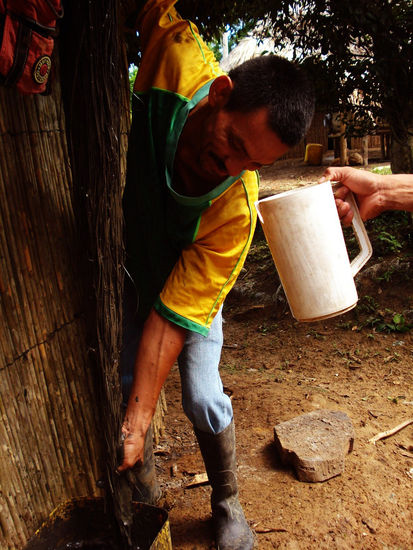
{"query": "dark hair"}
{"type": "Point", "coordinates": [280, 85]}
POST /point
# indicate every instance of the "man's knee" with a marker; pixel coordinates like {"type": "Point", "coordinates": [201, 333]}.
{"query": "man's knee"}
{"type": "Point", "coordinates": [210, 416]}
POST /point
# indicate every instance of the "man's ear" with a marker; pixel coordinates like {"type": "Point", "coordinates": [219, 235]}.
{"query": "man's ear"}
{"type": "Point", "coordinates": [220, 91]}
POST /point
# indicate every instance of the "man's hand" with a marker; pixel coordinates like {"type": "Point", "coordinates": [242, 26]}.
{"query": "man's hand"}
{"type": "Point", "coordinates": [132, 447]}
{"type": "Point", "coordinates": [365, 185]}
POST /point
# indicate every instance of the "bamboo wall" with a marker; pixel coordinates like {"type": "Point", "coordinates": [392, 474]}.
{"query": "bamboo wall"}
{"type": "Point", "coordinates": [48, 431]}
{"type": "Point", "coordinates": [61, 277]}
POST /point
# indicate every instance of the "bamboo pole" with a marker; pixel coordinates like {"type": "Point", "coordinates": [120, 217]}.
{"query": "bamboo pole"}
{"type": "Point", "coordinates": [98, 130]}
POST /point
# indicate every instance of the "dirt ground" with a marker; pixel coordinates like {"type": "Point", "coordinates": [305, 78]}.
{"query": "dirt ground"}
{"type": "Point", "coordinates": [276, 369]}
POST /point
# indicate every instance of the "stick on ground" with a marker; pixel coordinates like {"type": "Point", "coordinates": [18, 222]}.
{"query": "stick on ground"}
{"type": "Point", "coordinates": [394, 430]}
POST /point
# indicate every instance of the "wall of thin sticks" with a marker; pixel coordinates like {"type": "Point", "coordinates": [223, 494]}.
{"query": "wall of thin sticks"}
{"type": "Point", "coordinates": [49, 443]}
{"type": "Point", "coordinates": [62, 168]}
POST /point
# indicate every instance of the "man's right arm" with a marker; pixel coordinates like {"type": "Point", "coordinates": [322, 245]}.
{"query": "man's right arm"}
{"type": "Point", "coordinates": [160, 345]}
{"type": "Point", "coordinates": [375, 193]}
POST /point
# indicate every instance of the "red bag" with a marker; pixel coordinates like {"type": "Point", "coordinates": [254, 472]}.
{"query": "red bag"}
{"type": "Point", "coordinates": [27, 31]}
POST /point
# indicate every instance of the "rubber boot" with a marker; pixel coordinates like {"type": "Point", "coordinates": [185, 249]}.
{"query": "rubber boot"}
{"type": "Point", "coordinates": [143, 477]}
{"type": "Point", "coordinates": [230, 526]}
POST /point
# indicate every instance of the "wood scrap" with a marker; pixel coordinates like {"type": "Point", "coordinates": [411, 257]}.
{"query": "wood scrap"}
{"type": "Point", "coordinates": [267, 529]}
{"type": "Point", "coordinates": [197, 480]}
{"type": "Point", "coordinates": [388, 433]}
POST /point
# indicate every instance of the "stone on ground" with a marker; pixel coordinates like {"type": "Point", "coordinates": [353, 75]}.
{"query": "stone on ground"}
{"type": "Point", "coordinates": [315, 444]}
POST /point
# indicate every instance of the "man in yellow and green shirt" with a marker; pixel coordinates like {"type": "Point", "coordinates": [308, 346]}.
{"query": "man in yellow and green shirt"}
{"type": "Point", "coordinates": [198, 138]}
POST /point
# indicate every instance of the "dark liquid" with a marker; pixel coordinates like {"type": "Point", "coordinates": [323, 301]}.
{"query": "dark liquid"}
{"type": "Point", "coordinates": [85, 526]}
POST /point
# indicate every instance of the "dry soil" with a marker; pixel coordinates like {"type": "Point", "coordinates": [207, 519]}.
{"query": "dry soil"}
{"type": "Point", "coordinates": [275, 369]}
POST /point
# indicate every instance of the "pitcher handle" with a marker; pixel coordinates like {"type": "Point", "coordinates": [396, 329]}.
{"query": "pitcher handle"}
{"type": "Point", "coordinates": [366, 250]}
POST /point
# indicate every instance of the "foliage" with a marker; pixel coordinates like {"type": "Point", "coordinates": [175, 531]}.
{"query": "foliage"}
{"type": "Point", "coordinates": [388, 322]}
{"type": "Point", "coordinates": [360, 47]}
{"type": "Point", "coordinates": [390, 233]}
{"type": "Point", "coordinates": [133, 70]}
{"type": "Point", "coordinates": [216, 48]}
{"type": "Point", "coordinates": [382, 170]}
{"type": "Point", "coordinates": [214, 17]}
{"type": "Point", "coordinates": [380, 320]}
{"type": "Point", "coordinates": [354, 45]}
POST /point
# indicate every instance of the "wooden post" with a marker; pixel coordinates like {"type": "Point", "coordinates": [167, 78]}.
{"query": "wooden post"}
{"type": "Point", "coordinates": [365, 150]}
{"type": "Point", "coordinates": [388, 143]}
{"type": "Point", "coordinates": [343, 144]}
{"type": "Point", "coordinates": [382, 146]}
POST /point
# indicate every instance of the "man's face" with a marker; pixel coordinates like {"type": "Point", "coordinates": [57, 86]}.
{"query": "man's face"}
{"type": "Point", "coordinates": [233, 141]}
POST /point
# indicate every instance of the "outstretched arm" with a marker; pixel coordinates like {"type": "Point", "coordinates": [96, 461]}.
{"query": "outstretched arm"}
{"type": "Point", "coordinates": [160, 345]}
{"type": "Point", "coordinates": [375, 193]}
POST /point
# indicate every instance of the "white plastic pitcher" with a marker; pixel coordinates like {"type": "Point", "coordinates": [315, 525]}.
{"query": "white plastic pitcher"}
{"type": "Point", "coordinates": [304, 233]}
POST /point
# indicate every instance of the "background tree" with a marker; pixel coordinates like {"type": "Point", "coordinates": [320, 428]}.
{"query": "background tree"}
{"type": "Point", "coordinates": [363, 51]}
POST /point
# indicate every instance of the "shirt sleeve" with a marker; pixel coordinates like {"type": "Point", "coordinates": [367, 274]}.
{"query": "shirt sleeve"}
{"type": "Point", "coordinates": [207, 270]}
{"type": "Point", "coordinates": [175, 58]}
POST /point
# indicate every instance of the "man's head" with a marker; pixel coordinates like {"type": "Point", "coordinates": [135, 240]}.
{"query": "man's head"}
{"type": "Point", "coordinates": [260, 110]}
{"type": "Point", "coordinates": [279, 85]}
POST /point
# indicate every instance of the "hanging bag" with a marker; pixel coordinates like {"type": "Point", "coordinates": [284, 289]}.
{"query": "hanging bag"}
{"type": "Point", "coordinates": [27, 32]}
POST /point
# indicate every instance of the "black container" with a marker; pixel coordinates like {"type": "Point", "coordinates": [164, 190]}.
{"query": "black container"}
{"type": "Point", "coordinates": [82, 524]}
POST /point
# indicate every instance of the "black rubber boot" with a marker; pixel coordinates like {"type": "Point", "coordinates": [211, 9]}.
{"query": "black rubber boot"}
{"type": "Point", "coordinates": [230, 526]}
{"type": "Point", "coordinates": [143, 478]}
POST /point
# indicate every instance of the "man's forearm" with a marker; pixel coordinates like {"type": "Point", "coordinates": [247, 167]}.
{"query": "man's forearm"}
{"type": "Point", "coordinates": [397, 192]}
{"type": "Point", "coordinates": [160, 345]}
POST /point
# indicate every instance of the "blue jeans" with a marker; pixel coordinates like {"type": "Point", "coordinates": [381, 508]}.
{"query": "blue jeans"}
{"type": "Point", "coordinates": [203, 398]}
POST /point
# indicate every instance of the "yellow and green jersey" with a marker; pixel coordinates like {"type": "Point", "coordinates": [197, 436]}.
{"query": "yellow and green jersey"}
{"type": "Point", "coordinates": [184, 253]}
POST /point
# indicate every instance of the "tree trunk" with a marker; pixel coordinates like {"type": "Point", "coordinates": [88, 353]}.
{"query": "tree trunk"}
{"type": "Point", "coordinates": [50, 445]}
{"type": "Point", "coordinates": [402, 155]}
